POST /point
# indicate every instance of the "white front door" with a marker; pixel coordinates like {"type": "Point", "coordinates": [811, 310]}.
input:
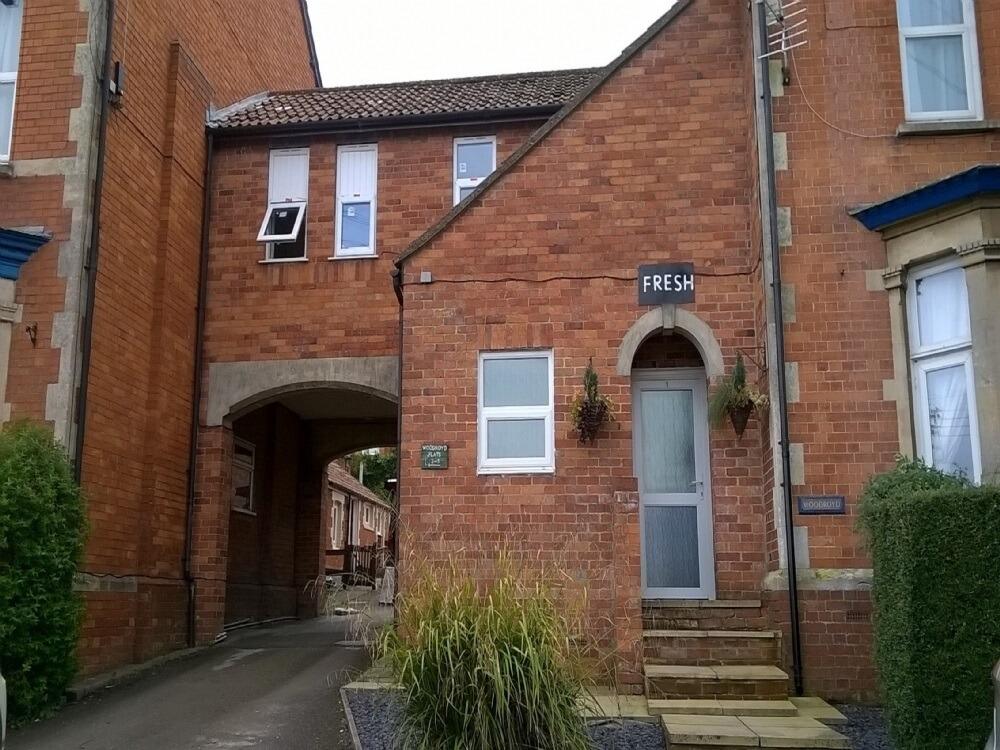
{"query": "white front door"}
{"type": "Point", "coordinates": [670, 444]}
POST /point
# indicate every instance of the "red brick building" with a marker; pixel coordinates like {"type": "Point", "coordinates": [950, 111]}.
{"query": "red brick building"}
{"type": "Point", "coordinates": [102, 117]}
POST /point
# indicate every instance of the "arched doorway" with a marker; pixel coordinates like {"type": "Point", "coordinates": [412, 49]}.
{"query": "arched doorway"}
{"type": "Point", "coordinates": [672, 465]}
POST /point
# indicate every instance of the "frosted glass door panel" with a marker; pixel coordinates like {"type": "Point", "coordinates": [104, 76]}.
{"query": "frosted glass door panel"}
{"type": "Point", "coordinates": [668, 455]}
{"type": "Point", "coordinates": [672, 554]}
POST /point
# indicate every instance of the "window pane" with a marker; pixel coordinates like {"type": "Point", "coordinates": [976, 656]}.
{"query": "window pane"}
{"type": "Point", "coordinates": [668, 462]}
{"type": "Point", "coordinates": [473, 160]}
{"type": "Point", "coordinates": [948, 412]}
{"type": "Point", "coordinates": [282, 220]}
{"type": "Point", "coordinates": [10, 35]}
{"type": "Point", "coordinates": [671, 546]}
{"type": "Point", "coordinates": [466, 191]}
{"type": "Point", "coordinates": [521, 381]}
{"type": "Point", "coordinates": [242, 476]}
{"type": "Point", "coordinates": [6, 114]}
{"type": "Point", "coordinates": [294, 249]}
{"type": "Point", "coordinates": [935, 71]}
{"type": "Point", "coordinates": [930, 12]}
{"type": "Point", "coordinates": [515, 438]}
{"type": "Point", "coordinates": [941, 307]}
{"type": "Point", "coordinates": [355, 227]}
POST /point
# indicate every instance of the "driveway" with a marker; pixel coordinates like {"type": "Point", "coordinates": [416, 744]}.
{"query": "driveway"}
{"type": "Point", "coordinates": [269, 687]}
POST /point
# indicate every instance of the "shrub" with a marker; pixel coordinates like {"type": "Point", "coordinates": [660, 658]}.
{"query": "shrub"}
{"type": "Point", "coordinates": [935, 544]}
{"type": "Point", "coordinates": [41, 538]}
{"type": "Point", "coordinates": [486, 669]}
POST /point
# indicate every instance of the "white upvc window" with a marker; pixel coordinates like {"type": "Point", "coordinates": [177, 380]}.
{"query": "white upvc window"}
{"type": "Point", "coordinates": [357, 181]}
{"type": "Point", "coordinates": [283, 227]}
{"type": "Point", "coordinates": [944, 395]}
{"type": "Point", "coordinates": [516, 412]}
{"type": "Point", "coordinates": [337, 520]}
{"type": "Point", "coordinates": [243, 468]}
{"type": "Point", "coordinates": [367, 518]}
{"type": "Point", "coordinates": [940, 60]}
{"type": "Point", "coordinates": [11, 12]}
{"type": "Point", "coordinates": [475, 159]}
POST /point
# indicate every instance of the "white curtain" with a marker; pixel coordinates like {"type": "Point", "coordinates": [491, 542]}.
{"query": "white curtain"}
{"type": "Point", "coordinates": [10, 36]}
{"type": "Point", "coordinates": [936, 72]}
{"type": "Point", "coordinates": [948, 412]}
{"type": "Point", "coordinates": [930, 12]}
{"type": "Point", "coordinates": [942, 314]}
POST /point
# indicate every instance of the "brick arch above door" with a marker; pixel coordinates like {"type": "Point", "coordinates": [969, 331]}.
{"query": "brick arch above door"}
{"type": "Point", "coordinates": [671, 318]}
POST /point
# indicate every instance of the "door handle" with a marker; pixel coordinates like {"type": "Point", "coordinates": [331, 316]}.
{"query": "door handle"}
{"type": "Point", "coordinates": [696, 481]}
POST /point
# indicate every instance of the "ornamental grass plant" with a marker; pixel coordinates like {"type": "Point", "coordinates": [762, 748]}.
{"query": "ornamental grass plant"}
{"type": "Point", "coordinates": [488, 665]}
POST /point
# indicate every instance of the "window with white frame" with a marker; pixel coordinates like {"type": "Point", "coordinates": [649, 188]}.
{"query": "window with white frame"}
{"type": "Point", "coordinates": [357, 180]}
{"type": "Point", "coordinates": [284, 224]}
{"type": "Point", "coordinates": [337, 521]}
{"type": "Point", "coordinates": [475, 159]}
{"type": "Point", "coordinates": [243, 464]}
{"type": "Point", "coordinates": [944, 400]}
{"type": "Point", "coordinates": [367, 517]}
{"type": "Point", "coordinates": [940, 59]}
{"type": "Point", "coordinates": [516, 396]}
{"type": "Point", "coordinates": [11, 12]}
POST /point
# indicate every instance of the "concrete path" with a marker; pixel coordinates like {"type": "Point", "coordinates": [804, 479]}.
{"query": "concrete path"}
{"type": "Point", "coordinates": [271, 687]}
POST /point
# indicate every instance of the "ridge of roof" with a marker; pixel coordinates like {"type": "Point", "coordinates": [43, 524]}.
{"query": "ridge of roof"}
{"type": "Point", "coordinates": [438, 81]}
{"type": "Point", "coordinates": [539, 135]}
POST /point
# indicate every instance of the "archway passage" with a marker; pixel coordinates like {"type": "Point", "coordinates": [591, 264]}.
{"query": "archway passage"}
{"type": "Point", "coordinates": [263, 506]}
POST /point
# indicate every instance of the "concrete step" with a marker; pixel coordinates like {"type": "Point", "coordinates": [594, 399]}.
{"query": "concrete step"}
{"type": "Point", "coordinates": [711, 647]}
{"type": "Point", "coordinates": [697, 732]}
{"type": "Point", "coordinates": [717, 707]}
{"type": "Point", "coordinates": [696, 614]}
{"type": "Point", "coordinates": [740, 682]}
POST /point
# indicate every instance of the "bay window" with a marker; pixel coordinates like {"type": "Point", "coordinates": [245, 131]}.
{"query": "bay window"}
{"type": "Point", "coordinates": [516, 396]}
{"type": "Point", "coordinates": [946, 425]}
{"type": "Point", "coordinates": [940, 59]}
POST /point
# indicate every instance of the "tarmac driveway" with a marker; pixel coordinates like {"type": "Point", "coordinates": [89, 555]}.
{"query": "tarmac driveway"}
{"type": "Point", "coordinates": [269, 687]}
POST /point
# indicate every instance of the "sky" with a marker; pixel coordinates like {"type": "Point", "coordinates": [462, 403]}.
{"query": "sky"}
{"type": "Point", "coordinates": [377, 41]}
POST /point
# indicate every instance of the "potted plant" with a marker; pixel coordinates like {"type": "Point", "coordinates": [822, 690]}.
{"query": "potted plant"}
{"type": "Point", "coordinates": [591, 409]}
{"type": "Point", "coordinates": [733, 397]}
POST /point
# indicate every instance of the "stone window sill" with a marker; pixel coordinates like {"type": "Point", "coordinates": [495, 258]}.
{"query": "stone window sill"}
{"type": "Point", "coordinates": [954, 127]}
{"type": "Point", "coordinates": [6, 169]}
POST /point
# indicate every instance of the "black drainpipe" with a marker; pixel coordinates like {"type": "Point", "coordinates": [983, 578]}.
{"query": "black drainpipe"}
{"type": "Point", "coordinates": [764, 88]}
{"type": "Point", "coordinates": [397, 287]}
{"type": "Point", "coordinates": [206, 213]}
{"type": "Point", "coordinates": [90, 265]}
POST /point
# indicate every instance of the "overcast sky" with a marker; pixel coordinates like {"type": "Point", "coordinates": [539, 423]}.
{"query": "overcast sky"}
{"type": "Point", "coordinates": [399, 40]}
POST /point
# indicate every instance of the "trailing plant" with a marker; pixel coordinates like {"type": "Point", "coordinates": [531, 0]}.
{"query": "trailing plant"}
{"type": "Point", "coordinates": [935, 542]}
{"type": "Point", "coordinates": [734, 398]}
{"type": "Point", "coordinates": [591, 409]}
{"type": "Point", "coordinates": [486, 667]}
{"type": "Point", "coordinates": [42, 530]}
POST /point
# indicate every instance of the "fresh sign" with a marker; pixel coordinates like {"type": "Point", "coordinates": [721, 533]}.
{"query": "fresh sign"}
{"type": "Point", "coordinates": [664, 283]}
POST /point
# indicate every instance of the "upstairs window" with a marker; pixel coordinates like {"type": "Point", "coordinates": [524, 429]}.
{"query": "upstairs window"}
{"type": "Point", "coordinates": [516, 415]}
{"type": "Point", "coordinates": [243, 461]}
{"type": "Point", "coordinates": [475, 159]}
{"type": "Point", "coordinates": [940, 59]}
{"type": "Point", "coordinates": [283, 227]}
{"type": "Point", "coordinates": [944, 396]}
{"type": "Point", "coordinates": [357, 177]}
{"type": "Point", "coordinates": [10, 47]}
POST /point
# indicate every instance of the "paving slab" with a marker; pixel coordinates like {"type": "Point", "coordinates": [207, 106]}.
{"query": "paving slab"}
{"type": "Point", "coordinates": [722, 707]}
{"type": "Point", "coordinates": [616, 706]}
{"type": "Point", "coordinates": [795, 732]}
{"type": "Point", "coordinates": [819, 709]}
{"type": "Point", "coordinates": [708, 731]}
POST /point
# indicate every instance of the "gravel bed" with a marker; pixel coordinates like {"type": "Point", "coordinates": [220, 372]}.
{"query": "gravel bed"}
{"type": "Point", "coordinates": [866, 727]}
{"type": "Point", "coordinates": [377, 714]}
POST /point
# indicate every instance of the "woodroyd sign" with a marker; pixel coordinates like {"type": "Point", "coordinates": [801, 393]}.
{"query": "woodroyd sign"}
{"type": "Point", "coordinates": [663, 283]}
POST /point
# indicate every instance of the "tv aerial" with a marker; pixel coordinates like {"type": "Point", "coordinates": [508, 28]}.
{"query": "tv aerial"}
{"type": "Point", "coordinates": [787, 27]}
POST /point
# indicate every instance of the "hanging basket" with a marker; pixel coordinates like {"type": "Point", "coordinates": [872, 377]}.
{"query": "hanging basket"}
{"type": "Point", "coordinates": [739, 416]}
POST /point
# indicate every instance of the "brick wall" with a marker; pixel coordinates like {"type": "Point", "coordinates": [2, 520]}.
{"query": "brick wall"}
{"type": "Point", "coordinates": [179, 57]}
{"type": "Point", "coordinates": [653, 167]}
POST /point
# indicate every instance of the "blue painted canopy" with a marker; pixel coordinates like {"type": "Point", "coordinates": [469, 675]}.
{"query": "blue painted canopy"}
{"type": "Point", "coordinates": [16, 246]}
{"type": "Point", "coordinates": [971, 183]}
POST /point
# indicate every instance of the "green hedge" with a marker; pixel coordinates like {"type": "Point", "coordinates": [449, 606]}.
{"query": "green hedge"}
{"type": "Point", "coordinates": [42, 522]}
{"type": "Point", "coordinates": [935, 544]}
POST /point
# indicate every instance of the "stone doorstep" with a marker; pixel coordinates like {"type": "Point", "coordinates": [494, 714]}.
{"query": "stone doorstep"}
{"type": "Point", "coordinates": [722, 707]}
{"type": "Point", "coordinates": [819, 709]}
{"type": "Point", "coordinates": [710, 634]}
{"type": "Point", "coordinates": [698, 731]}
{"type": "Point", "coordinates": [749, 672]}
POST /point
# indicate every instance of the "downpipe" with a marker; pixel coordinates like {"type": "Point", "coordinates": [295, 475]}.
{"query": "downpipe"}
{"type": "Point", "coordinates": [769, 218]}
